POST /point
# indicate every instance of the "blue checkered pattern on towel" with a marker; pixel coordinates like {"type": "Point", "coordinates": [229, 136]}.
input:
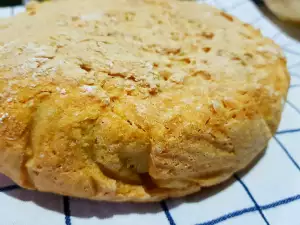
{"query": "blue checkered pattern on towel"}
{"type": "Point", "coordinates": [268, 194]}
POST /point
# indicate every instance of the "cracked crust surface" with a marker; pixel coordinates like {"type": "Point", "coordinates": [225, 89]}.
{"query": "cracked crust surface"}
{"type": "Point", "coordinates": [134, 100]}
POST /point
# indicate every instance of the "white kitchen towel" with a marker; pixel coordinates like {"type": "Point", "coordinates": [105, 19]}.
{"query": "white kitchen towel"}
{"type": "Point", "coordinates": [269, 193]}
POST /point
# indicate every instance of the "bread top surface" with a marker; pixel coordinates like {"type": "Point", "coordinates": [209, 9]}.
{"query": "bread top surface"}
{"type": "Point", "coordinates": [132, 99]}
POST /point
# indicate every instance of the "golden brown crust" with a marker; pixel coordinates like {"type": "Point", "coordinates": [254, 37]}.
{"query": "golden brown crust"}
{"type": "Point", "coordinates": [132, 100]}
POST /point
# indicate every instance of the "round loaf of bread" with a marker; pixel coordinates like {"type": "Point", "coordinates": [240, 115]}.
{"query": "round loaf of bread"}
{"type": "Point", "coordinates": [134, 100]}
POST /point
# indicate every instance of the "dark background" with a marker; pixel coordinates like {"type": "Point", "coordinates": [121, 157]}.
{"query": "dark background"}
{"type": "Point", "coordinates": [10, 2]}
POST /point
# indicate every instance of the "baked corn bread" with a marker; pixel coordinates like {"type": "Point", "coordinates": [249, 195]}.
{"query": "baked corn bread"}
{"type": "Point", "coordinates": [134, 100]}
